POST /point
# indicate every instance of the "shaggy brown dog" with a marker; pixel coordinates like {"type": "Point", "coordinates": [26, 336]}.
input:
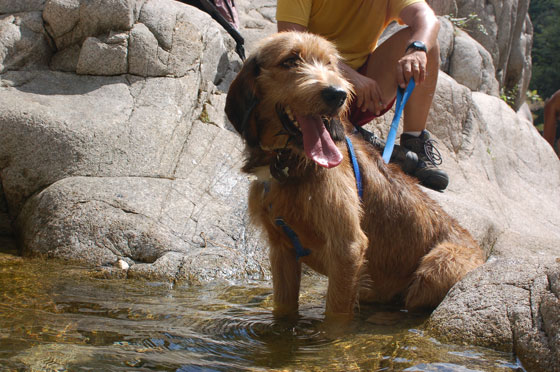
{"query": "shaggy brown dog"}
{"type": "Point", "coordinates": [393, 244]}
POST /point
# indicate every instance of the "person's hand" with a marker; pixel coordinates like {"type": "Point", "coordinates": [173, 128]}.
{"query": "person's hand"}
{"type": "Point", "coordinates": [367, 92]}
{"type": "Point", "coordinates": [412, 64]}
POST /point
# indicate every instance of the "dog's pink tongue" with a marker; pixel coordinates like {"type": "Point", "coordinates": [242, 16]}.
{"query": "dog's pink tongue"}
{"type": "Point", "coordinates": [318, 143]}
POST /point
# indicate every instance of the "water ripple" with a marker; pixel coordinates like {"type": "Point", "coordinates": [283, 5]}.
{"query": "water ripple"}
{"type": "Point", "coordinates": [54, 318]}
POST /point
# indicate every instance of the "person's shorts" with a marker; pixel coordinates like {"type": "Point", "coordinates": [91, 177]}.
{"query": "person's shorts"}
{"type": "Point", "coordinates": [359, 118]}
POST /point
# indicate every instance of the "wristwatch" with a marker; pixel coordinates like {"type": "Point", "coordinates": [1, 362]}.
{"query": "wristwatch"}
{"type": "Point", "coordinates": [417, 45]}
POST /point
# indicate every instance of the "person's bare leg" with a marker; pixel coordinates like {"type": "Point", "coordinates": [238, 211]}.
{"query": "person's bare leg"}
{"type": "Point", "coordinates": [382, 67]}
{"type": "Point", "coordinates": [418, 106]}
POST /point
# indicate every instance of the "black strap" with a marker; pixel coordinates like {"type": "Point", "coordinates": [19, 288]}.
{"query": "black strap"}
{"type": "Point", "coordinates": [209, 8]}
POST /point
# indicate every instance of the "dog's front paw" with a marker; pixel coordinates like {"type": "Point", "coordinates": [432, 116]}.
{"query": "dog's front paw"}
{"type": "Point", "coordinates": [337, 324]}
{"type": "Point", "coordinates": [338, 318]}
{"type": "Point", "coordinates": [284, 311]}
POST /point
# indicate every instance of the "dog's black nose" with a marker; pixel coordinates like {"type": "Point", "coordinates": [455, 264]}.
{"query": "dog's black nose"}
{"type": "Point", "coordinates": [334, 96]}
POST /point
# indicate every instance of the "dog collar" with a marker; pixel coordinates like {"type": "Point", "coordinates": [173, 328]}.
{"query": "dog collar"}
{"type": "Point", "coordinates": [279, 168]}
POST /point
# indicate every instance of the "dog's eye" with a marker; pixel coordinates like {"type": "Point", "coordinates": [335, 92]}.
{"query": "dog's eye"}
{"type": "Point", "coordinates": [291, 62]}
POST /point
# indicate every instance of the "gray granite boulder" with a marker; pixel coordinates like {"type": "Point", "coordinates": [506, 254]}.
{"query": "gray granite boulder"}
{"type": "Point", "coordinates": [507, 199]}
{"type": "Point", "coordinates": [70, 22]}
{"type": "Point", "coordinates": [138, 165]}
{"type": "Point", "coordinates": [503, 195]}
{"type": "Point", "coordinates": [163, 228]}
{"type": "Point", "coordinates": [20, 6]}
{"type": "Point", "coordinates": [24, 43]}
{"type": "Point", "coordinates": [480, 75]}
{"type": "Point", "coordinates": [144, 38]}
{"type": "Point", "coordinates": [504, 29]}
{"type": "Point", "coordinates": [508, 304]}
{"type": "Point", "coordinates": [104, 57]}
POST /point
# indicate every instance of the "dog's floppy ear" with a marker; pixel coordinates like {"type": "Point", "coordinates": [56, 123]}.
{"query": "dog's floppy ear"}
{"type": "Point", "coordinates": [242, 99]}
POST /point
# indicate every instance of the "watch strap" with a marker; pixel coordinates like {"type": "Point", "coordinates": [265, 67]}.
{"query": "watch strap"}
{"type": "Point", "coordinates": [417, 45]}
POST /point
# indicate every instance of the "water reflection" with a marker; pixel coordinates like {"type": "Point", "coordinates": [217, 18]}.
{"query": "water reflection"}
{"type": "Point", "coordinates": [54, 317]}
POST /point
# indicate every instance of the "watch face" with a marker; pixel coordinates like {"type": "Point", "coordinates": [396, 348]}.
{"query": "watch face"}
{"type": "Point", "coordinates": [418, 45]}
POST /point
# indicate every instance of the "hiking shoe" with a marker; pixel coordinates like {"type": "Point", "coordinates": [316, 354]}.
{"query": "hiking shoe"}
{"type": "Point", "coordinates": [406, 159]}
{"type": "Point", "coordinates": [377, 142]}
{"type": "Point", "coordinates": [427, 171]}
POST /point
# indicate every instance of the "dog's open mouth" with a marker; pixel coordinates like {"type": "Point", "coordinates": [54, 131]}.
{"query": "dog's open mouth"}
{"type": "Point", "coordinates": [317, 141]}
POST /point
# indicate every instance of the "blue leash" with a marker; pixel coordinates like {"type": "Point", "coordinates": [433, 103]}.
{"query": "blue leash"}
{"type": "Point", "coordinates": [402, 96]}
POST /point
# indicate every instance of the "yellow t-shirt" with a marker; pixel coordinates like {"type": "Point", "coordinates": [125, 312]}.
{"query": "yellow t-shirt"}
{"type": "Point", "coordinates": [353, 25]}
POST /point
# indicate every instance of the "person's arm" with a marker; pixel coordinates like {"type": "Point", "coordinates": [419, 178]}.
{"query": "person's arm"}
{"type": "Point", "coordinates": [424, 27]}
{"type": "Point", "coordinates": [551, 111]}
{"type": "Point", "coordinates": [423, 23]}
{"type": "Point", "coordinates": [289, 26]}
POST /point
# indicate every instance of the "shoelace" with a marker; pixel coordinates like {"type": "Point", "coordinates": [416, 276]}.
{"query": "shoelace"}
{"type": "Point", "coordinates": [432, 152]}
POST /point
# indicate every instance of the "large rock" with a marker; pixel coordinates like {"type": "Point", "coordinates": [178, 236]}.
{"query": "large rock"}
{"type": "Point", "coordinates": [506, 199]}
{"type": "Point", "coordinates": [508, 304]}
{"type": "Point", "coordinates": [257, 18]}
{"type": "Point", "coordinates": [72, 21]}
{"type": "Point", "coordinates": [138, 128]}
{"type": "Point", "coordinates": [107, 57]}
{"type": "Point", "coordinates": [145, 38]}
{"type": "Point", "coordinates": [175, 229]}
{"type": "Point", "coordinates": [24, 43]}
{"type": "Point", "coordinates": [480, 76]}
{"type": "Point", "coordinates": [97, 168]}
{"type": "Point", "coordinates": [504, 196]}
{"type": "Point", "coordinates": [20, 6]}
{"type": "Point", "coordinates": [505, 30]}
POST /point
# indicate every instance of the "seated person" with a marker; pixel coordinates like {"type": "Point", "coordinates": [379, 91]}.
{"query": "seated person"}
{"type": "Point", "coordinates": [375, 72]}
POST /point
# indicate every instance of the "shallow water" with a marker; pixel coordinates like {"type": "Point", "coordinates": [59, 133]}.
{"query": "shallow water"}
{"type": "Point", "coordinates": [56, 317]}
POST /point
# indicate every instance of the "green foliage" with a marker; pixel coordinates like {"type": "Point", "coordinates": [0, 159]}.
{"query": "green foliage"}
{"type": "Point", "coordinates": [509, 95]}
{"type": "Point", "coordinates": [533, 97]}
{"type": "Point", "coordinates": [540, 127]}
{"type": "Point", "coordinates": [467, 22]}
{"type": "Point", "coordinates": [545, 15]}
{"type": "Point", "coordinates": [204, 117]}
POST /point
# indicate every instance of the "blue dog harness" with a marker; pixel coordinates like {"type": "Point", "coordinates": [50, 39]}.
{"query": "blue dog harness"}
{"type": "Point", "coordinates": [291, 234]}
{"type": "Point", "coordinates": [356, 167]}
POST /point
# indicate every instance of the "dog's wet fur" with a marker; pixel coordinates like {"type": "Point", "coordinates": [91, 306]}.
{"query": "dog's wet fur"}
{"type": "Point", "coordinates": [394, 245]}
